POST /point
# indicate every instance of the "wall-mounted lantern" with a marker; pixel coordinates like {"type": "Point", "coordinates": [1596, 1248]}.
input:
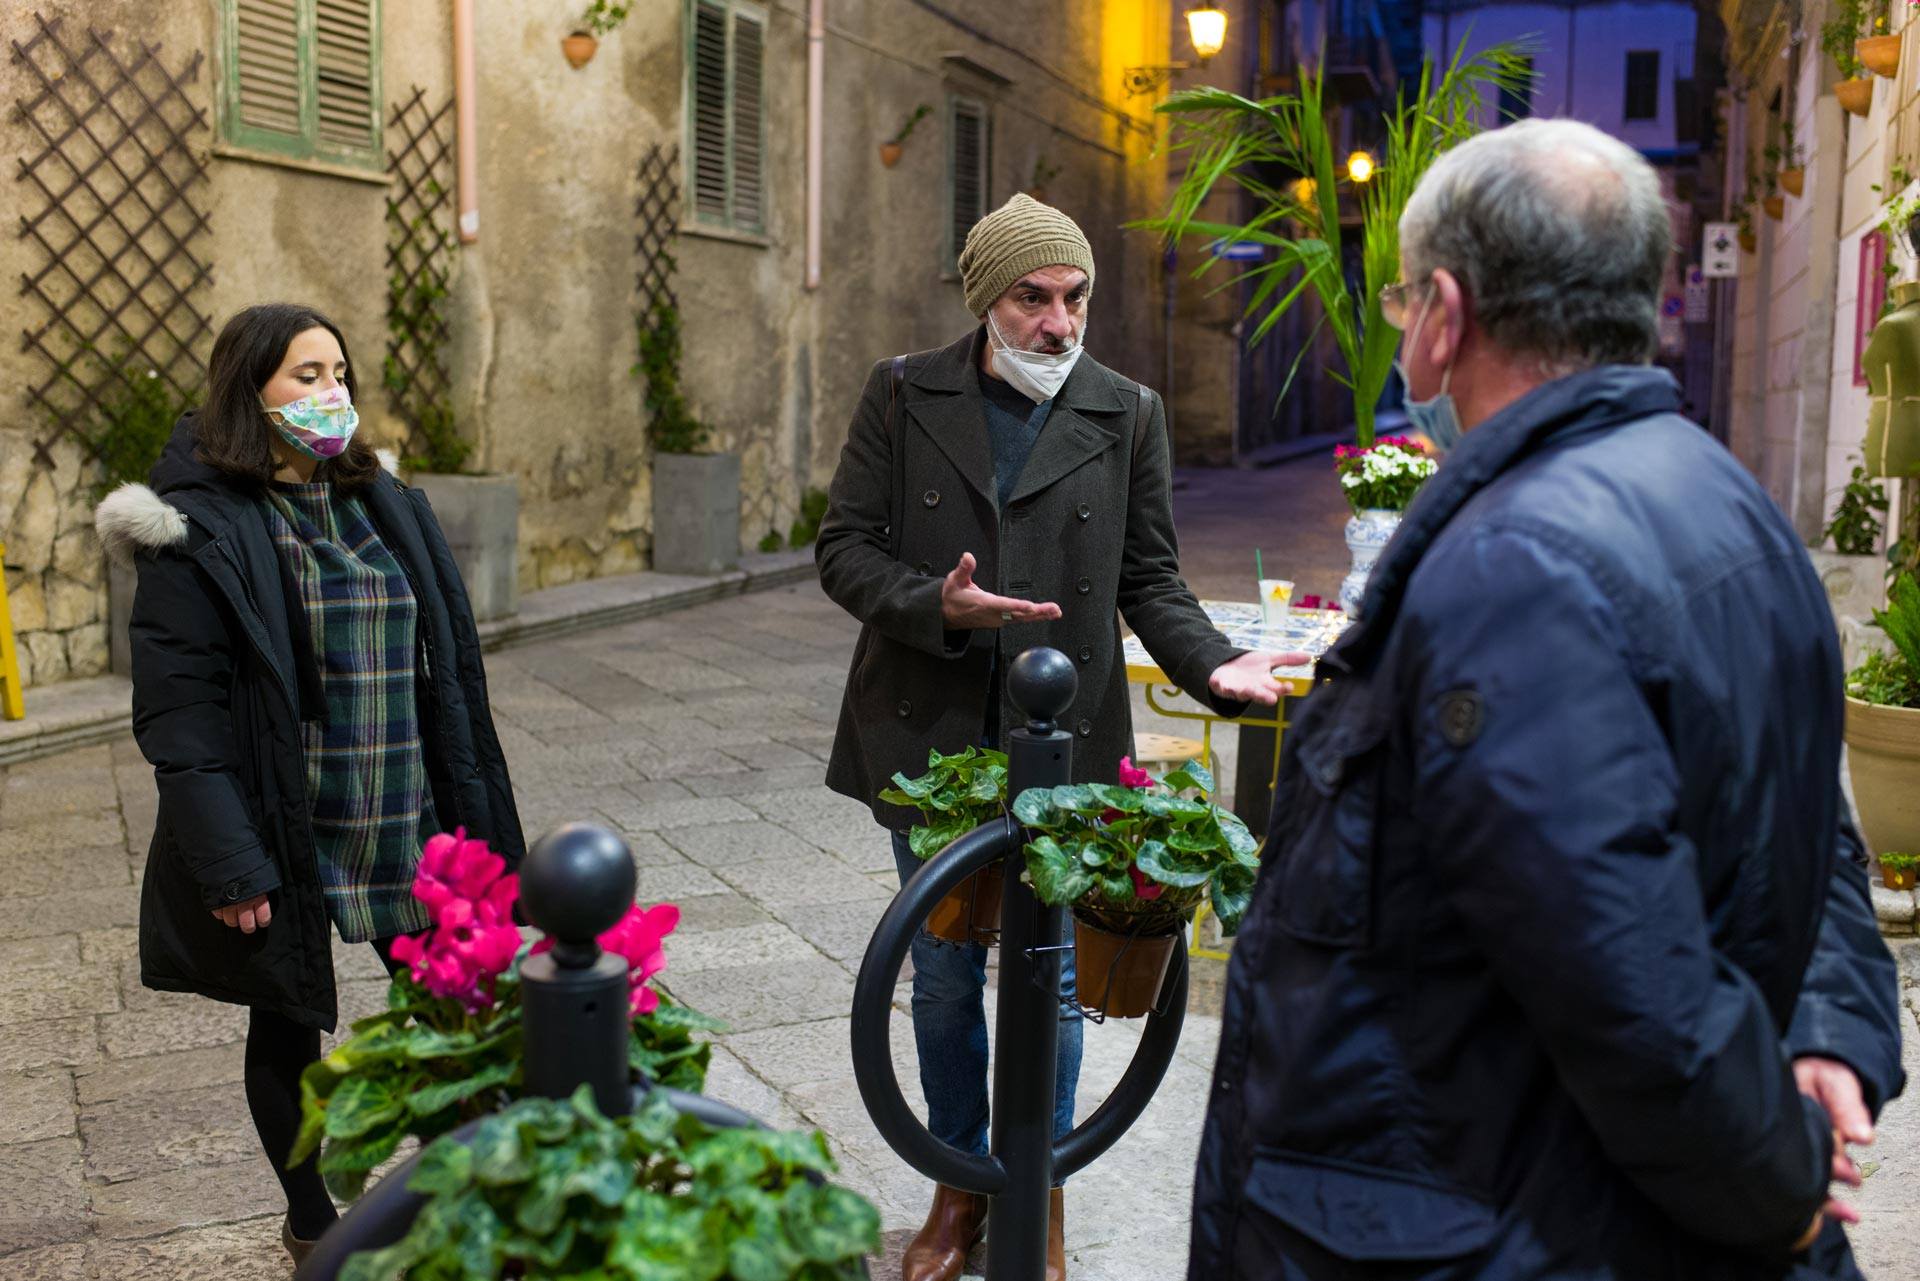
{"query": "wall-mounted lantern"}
{"type": "Point", "coordinates": [1206, 29]}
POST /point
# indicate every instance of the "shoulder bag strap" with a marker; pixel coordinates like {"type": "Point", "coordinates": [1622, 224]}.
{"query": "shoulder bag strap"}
{"type": "Point", "coordinates": [898, 444]}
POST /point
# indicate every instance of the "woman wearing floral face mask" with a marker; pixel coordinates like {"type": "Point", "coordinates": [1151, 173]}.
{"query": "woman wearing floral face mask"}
{"type": "Point", "coordinates": [308, 688]}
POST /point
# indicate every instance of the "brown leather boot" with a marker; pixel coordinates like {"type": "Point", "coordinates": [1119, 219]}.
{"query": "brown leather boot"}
{"type": "Point", "coordinates": [1057, 1235]}
{"type": "Point", "coordinates": [954, 1225]}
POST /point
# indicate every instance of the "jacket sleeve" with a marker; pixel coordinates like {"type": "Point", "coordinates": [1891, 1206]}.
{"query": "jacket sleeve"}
{"type": "Point", "coordinates": [857, 568]}
{"type": "Point", "coordinates": [1849, 1007]}
{"type": "Point", "coordinates": [183, 670]}
{"type": "Point", "coordinates": [1154, 599]}
{"type": "Point", "coordinates": [1549, 796]}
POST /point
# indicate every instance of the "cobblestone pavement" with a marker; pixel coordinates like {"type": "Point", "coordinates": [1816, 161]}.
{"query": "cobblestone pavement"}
{"type": "Point", "coordinates": [125, 1148]}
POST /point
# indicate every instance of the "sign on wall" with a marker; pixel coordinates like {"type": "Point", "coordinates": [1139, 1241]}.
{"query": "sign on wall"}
{"type": "Point", "coordinates": [1720, 250]}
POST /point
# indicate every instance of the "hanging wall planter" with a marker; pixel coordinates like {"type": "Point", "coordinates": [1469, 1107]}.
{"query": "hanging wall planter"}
{"type": "Point", "coordinates": [1856, 95]}
{"type": "Point", "coordinates": [1749, 242]}
{"type": "Point", "coordinates": [579, 47]}
{"type": "Point", "coordinates": [891, 149]}
{"type": "Point", "coordinates": [1793, 181]}
{"type": "Point", "coordinates": [1776, 207]}
{"type": "Point", "coordinates": [890, 153]}
{"type": "Point", "coordinates": [1879, 54]}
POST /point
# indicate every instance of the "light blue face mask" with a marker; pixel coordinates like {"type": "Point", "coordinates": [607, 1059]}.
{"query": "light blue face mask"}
{"type": "Point", "coordinates": [1436, 419]}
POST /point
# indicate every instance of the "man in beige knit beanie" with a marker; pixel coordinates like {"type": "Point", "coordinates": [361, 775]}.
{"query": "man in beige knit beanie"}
{"type": "Point", "coordinates": [999, 493]}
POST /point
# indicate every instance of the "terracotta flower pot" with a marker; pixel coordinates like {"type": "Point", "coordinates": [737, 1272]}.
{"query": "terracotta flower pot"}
{"type": "Point", "coordinates": [579, 47]}
{"type": "Point", "coordinates": [1748, 241]}
{"type": "Point", "coordinates": [1883, 758]}
{"type": "Point", "coordinates": [970, 913]}
{"type": "Point", "coordinates": [890, 153]}
{"type": "Point", "coordinates": [1878, 54]}
{"type": "Point", "coordinates": [1793, 181]}
{"type": "Point", "coordinates": [1120, 974]}
{"type": "Point", "coordinates": [1896, 878]}
{"type": "Point", "coordinates": [1855, 95]}
{"type": "Point", "coordinates": [1776, 207]}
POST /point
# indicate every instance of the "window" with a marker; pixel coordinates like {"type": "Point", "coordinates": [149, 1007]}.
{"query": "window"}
{"type": "Point", "coordinates": [969, 153]}
{"type": "Point", "coordinates": [726, 115]}
{"type": "Point", "coordinates": [1517, 103]}
{"type": "Point", "coordinates": [1643, 85]}
{"type": "Point", "coordinates": [301, 79]}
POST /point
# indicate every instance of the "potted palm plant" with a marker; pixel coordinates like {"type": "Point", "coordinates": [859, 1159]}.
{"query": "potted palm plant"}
{"type": "Point", "coordinates": [1883, 726]}
{"type": "Point", "coordinates": [958, 793]}
{"type": "Point", "coordinates": [1235, 142]}
{"type": "Point", "coordinates": [1133, 859]}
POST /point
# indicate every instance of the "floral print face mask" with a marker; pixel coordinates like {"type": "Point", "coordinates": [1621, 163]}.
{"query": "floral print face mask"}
{"type": "Point", "coordinates": [319, 425]}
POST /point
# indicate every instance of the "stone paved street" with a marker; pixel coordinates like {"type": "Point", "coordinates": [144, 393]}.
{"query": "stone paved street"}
{"type": "Point", "coordinates": [125, 1148]}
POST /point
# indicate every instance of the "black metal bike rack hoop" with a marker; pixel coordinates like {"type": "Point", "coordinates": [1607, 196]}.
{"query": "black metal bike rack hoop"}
{"type": "Point", "coordinates": [1023, 1163]}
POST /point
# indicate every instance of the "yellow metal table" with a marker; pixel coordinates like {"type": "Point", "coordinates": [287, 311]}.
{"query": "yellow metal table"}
{"type": "Point", "coordinates": [1308, 631]}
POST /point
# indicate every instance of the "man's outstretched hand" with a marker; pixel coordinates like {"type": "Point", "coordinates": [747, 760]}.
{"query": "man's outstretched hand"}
{"type": "Point", "coordinates": [963, 605]}
{"type": "Point", "coordinates": [1249, 678]}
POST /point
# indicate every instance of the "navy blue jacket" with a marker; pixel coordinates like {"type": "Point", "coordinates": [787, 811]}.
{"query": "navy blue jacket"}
{"type": "Point", "coordinates": [1559, 879]}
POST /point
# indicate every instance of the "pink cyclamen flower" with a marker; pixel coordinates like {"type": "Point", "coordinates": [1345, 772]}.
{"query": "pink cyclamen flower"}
{"type": "Point", "coordinates": [1130, 776]}
{"type": "Point", "coordinates": [637, 937]}
{"type": "Point", "coordinates": [453, 868]}
{"type": "Point", "coordinates": [1143, 887]}
{"type": "Point", "coordinates": [473, 939]}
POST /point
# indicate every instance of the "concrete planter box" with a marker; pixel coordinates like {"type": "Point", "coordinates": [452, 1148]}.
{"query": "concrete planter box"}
{"type": "Point", "coordinates": [696, 513]}
{"type": "Point", "coordinates": [480, 516]}
{"type": "Point", "coordinates": [1856, 585]}
{"type": "Point", "coordinates": [120, 583]}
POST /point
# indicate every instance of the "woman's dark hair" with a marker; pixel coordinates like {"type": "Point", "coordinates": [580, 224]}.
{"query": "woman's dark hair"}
{"type": "Point", "coordinates": [233, 433]}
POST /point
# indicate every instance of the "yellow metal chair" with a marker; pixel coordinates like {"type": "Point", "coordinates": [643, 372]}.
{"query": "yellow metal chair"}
{"type": "Point", "coordinates": [13, 704]}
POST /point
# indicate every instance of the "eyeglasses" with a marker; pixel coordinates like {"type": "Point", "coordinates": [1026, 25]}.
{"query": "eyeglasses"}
{"type": "Point", "coordinates": [1393, 303]}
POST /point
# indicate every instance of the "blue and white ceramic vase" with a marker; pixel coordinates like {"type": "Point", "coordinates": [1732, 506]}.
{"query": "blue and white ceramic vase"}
{"type": "Point", "coordinates": [1368, 533]}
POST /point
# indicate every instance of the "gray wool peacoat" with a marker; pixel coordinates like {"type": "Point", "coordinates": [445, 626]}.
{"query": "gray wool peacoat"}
{"type": "Point", "coordinates": [1089, 526]}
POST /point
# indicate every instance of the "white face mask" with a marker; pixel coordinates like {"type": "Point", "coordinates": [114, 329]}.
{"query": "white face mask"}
{"type": "Point", "coordinates": [1037, 375]}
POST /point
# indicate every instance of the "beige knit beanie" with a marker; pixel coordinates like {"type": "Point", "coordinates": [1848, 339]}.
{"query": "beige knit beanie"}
{"type": "Point", "coordinates": [1018, 237]}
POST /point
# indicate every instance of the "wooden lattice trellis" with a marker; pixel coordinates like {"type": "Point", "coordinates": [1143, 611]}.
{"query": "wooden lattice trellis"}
{"type": "Point", "coordinates": [110, 177]}
{"type": "Point", "coordinates": [419, 263]}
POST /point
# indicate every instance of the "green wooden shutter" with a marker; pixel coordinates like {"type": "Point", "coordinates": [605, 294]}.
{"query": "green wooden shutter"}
{"type": "Point", "coordinates": [969, 145]}
{"type": "Point", "coordinates": [346, 75]}
{"type": "Point", "coordinates": [748, 151]}
{"type": "Point", "coordinates": [265, 63]}
{"type": "Point", "coordinates": [707, 106]}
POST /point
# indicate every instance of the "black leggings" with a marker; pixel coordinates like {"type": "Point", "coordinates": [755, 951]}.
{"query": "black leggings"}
{"type": "Point", "coordinates": [278, 1051]}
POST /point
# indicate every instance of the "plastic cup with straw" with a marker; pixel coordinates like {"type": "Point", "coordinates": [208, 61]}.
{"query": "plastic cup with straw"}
{"type": "Point", "coordinates": [1276, 594]}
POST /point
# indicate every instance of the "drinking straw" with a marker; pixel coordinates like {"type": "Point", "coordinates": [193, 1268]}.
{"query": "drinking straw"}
{"type": "Point", "coordinates": [1258, 572]}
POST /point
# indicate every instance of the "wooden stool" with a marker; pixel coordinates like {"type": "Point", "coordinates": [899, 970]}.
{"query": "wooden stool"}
{"type": "Point", "coordinates": [1169, 751]}
{"type": "Point", "coordinates": [12, 704]}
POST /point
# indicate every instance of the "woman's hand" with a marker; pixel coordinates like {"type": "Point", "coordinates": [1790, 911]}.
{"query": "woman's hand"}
{"type": "Point", "coordinates": [248, 916]}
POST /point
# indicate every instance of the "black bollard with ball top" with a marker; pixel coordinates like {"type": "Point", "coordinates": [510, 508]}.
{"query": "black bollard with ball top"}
{"type": "Point", "coordinates": [576, 883]}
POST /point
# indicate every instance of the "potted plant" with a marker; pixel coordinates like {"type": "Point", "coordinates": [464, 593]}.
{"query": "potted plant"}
{"type": "Point", "coordinates": [957, 794]}
{"type": "Point", "coordinates": [133, 417]}
{"type": "Point", "coordinates": [1243, 143]}
{"type": "Point", "coordinates": [579, 45]}
{"type": "Point", "coordinates": [1879, 52]}
{"type": "Point", "coordinates": [1839, 35]}
{"type": "Point", "coordinates": [1897, 870]}
{"type": "Point", "coordinates": [1133, 859]}
{"type": "Point", "coordinates": [890, 149]}
{"type": "Point", "coordinates": [1883, 726]}
{"type": "Point", "coordinates": [1851, 572]}
{"type": "Point", "coordinates": [1379, 481]}
{"type": "Point", "coordinates": [1043, 173]}
{"type": "Point", "coordinates": [1793, 173]}
{"type": "Point", "coordinates": [1772, 201]}
{"type": "Point", "coordinates": [1743, 208]}
{"type": "Point", "coordinates": [446, 1050]}
{"type": "Point", "coordinates": [696, 493]}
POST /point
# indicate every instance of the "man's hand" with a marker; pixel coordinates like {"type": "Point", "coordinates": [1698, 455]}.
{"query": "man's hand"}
{"type": "Point", "coordinates": [1833, 1085]}
{"type": "Point", "coordinates": [962, 605]}
{"type": "Point", "coordinates": [1249, 678]}
{"type": "Point", "coordinates": [248, 916]}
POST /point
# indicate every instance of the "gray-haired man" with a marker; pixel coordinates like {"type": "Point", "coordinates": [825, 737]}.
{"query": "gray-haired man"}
{"type": "Point", "coordinates": [1561, 961]}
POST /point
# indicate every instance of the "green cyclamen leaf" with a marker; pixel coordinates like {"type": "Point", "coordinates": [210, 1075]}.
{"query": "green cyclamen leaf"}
{"type": "Point", "coordinates": [829, 1223]}
{"type": "Point", "coordinates": [446, 1166]}
{"type": "Point", "coordinates": [1127, 800]}
{"type": "Point", "coordinates": [1171, 866]}
{"type": "Point", "coordinates": [358, 1104]}
{"type": "Point", "coordinates": [1035, 808]}
{"type": "Point", "coordinates": [444, 1094]}
{"type": "Point", "coordinates": [1059, 878]}
{"type": "Point", "coordinates": [1231, 891]}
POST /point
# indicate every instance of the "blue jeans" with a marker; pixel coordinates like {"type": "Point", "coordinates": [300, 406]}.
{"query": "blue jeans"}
{"type": "Point", "coordinates": [950, 1032]}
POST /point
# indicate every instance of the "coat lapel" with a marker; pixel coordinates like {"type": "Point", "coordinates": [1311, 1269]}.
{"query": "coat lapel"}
{"type": "Point", "coordinates": [1070, 438]}
{"type": "Point", "coordinates": [943, 397]}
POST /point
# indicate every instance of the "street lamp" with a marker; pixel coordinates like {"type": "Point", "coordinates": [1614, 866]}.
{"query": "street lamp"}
{"type": "Point", "coordinates": [1206, 28]}
{"type": "Point", "coordinates": [1360, 167]}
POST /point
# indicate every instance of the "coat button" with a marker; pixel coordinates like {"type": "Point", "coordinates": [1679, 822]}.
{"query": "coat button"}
{"type": "Point", "coordinates": [931, 498]}
{"type": "Point", "coordinates": [1086, 653]}
{"type": "Point", "coordinates": [906, 708]}
{"type": "Point", "coordinates": [926, 567]}
{"type": "Point", "coordinates": [231, 891]}
{"type": "Point", "coordinates": [1084, 512]}
{"type": "Point", "coordinates": [1085, 728]}
{"type": "Point", "coordinates": [1084, 586]}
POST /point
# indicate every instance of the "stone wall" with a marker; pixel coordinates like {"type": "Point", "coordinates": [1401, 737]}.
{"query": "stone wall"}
{"type": "Point", "coordinates": [542, 306]}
